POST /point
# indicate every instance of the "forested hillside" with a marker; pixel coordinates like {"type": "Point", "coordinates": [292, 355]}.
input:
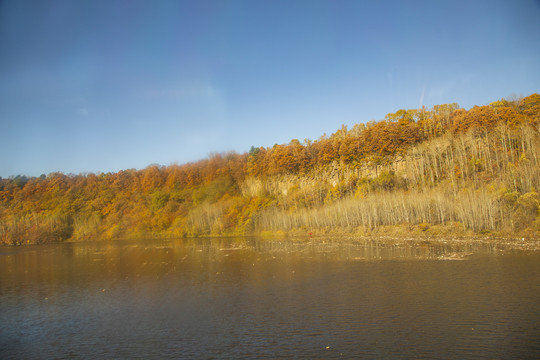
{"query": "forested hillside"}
{"type": "Point", "coordinates": [443, 170]}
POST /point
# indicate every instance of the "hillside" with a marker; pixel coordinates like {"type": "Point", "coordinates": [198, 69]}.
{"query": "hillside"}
{"type": "Point", "coordinates": [440, 171]}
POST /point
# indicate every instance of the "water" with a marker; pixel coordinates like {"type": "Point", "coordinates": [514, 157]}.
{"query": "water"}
{"type": "Point", "coordinates": [248, 298]}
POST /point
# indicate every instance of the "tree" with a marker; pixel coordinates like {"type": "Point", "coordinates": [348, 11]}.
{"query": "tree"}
{"type": "Point", "coordinates": [402, 117]}
{"type": "Point", "coordinates": [530, 106]}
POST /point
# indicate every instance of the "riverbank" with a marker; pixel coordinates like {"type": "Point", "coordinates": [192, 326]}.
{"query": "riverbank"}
{"type": "Point", "coordinates": [396, 234]}
{"type": "Point", "coordinates": [503, 241]}
{"type": "Point", "coordinates": [476, 175]}
{"type": "Point", "coordinates": [390, 235]}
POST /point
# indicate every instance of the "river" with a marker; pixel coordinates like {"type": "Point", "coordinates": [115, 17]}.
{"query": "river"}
{"type": "Point", "coordinates": [257, 298]}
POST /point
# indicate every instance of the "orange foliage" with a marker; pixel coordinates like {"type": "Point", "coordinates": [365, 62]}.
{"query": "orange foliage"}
{"type": "Point", "coordinates": [159, 199]}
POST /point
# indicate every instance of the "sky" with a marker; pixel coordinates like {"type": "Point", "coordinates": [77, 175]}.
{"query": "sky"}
{"type": "Point", "coordinates": [105, 85]}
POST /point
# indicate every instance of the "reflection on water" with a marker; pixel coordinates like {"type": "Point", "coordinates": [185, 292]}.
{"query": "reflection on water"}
{"type": "Point", "coordinates": [230, 298]}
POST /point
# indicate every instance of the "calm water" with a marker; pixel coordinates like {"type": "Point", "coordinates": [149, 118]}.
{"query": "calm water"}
{"type": "Point", "coordinates": [202, 299]}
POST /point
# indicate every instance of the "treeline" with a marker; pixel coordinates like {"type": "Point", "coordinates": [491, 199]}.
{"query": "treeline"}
{"type": "Point", "coordinates": [463, 170]}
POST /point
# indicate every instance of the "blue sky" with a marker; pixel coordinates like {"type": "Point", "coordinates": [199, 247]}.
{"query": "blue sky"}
{"type": "Point", "coordinates": [105, 85]}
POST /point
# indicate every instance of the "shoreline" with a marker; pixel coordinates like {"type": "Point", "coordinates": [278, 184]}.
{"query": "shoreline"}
{"type": "Point", "coordinates": [509, 242]}
{"type": "Point", "coordinates": [392, 236]}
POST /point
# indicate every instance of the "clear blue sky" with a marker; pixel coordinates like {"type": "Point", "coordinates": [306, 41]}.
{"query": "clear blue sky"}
{"type": "Point", "coordinates": [105, 85]}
